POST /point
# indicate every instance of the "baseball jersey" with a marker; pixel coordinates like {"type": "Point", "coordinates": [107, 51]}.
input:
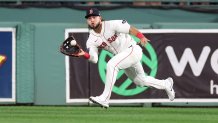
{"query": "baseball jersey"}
{"type": "Point", "coordinates": [114, 37]}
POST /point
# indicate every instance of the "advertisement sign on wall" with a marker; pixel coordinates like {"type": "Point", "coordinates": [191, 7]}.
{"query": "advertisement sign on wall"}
{"type": "Point", "coordinates": [7, 68]}
{"type": "Point", "coordinates": [190, 57]}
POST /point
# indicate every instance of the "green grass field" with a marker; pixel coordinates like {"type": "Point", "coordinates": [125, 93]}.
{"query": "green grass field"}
{"type": "Point", "coordinates": [68, 114]}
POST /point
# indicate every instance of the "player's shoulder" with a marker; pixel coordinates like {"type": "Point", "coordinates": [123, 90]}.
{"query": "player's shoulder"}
{"type": "Point", "coordinates": [116, 21]}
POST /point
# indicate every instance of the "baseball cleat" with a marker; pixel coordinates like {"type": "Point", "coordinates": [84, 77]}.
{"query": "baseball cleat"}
{"type": "Point", "coordinates": [169, 89]}
{"type": "Point", "coordinates": [98, 101]}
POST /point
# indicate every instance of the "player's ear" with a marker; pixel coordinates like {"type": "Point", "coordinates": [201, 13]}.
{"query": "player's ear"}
{"type": "Point", "coordinates": [101, 18]}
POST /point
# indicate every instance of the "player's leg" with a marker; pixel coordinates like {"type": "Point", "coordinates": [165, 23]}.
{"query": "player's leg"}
{"type": "Point", "coordinates": [136, 73]}
{"type": "Point", "coordinates": [122, 60]}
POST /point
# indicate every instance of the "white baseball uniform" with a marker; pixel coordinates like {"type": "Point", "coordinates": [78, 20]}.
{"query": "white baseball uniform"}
{"type": "Point", "coordinates": [114, 37]}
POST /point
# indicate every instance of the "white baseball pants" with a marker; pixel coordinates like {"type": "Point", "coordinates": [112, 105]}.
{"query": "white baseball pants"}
{"type": "Point", "coordinates": [129, 60]}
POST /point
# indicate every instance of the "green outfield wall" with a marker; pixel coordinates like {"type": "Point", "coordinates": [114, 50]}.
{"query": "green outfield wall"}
{"type": "Point", "coordinates": [41, 68]}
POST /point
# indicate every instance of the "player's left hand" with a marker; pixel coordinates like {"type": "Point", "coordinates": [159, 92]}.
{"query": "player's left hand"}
{"type": "Point", "coordinates": [143, 41]}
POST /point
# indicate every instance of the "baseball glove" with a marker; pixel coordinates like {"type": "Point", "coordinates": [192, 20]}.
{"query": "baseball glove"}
{"type": "Point", "coordinates": [70, 47]}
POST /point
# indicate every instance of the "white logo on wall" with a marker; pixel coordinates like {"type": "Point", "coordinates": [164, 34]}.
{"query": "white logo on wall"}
{"type": "Point", "coordinates": [188, 57]}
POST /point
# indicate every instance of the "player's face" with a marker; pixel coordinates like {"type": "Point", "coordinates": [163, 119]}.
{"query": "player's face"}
{"type": "Point", "coordinates": [94, 22]}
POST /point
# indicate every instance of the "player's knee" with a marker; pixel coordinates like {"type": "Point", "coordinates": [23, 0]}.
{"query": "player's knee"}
{"type": "Point", "coordinates": [139, 83]}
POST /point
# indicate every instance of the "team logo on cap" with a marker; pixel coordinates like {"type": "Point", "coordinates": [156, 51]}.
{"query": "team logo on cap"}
{"type": "Point", "coordinates": [90, 11]}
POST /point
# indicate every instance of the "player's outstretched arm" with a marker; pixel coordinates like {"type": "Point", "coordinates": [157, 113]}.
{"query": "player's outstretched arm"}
{"type": "Point", "coordinates": [92, 55]}
{"type": "Point", "coordinates": [83, 53]}
{"type": "Point", "coordinates": [138, 34]}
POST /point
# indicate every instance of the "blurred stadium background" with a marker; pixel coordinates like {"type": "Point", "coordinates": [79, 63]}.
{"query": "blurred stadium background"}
{"type": "Point", "coordinates": [35, 73]}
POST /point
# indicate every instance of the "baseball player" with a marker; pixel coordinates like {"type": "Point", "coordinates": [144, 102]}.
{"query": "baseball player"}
{"type": "Point", "coordinates": [114, 36]}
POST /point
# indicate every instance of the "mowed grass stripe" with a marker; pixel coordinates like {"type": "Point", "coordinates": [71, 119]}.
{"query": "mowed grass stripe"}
{"type": "Point", "coordinates": [68, 114]}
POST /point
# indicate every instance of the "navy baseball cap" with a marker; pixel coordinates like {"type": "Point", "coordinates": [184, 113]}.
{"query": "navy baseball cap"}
{"type": "Point", "coordinates": [92, 12]}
